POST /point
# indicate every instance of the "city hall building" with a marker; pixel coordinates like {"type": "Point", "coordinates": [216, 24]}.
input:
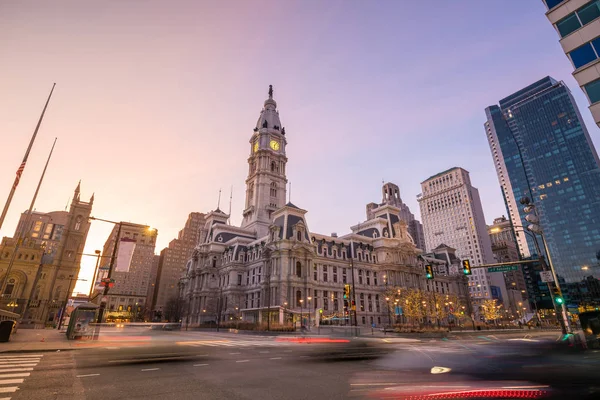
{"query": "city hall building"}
{"type": "Point", "coordinates": [274, 268]}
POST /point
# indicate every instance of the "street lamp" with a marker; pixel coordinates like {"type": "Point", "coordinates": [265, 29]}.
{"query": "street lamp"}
{"type": "Point", "coordinates": [112, 260]}
{"type": "Point", "coordinates": [387, 300]}
{"type": "Point", "coordinates": [301, 313]}
{"type": "Point", "coordinates": [309, 310]}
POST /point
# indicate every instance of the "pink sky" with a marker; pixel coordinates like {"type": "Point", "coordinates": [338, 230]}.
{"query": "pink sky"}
{"type": "Point", "coordinates": [155, 101]}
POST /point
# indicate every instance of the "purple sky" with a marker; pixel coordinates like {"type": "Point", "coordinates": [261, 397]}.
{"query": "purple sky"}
{"type": "Point", "coordinates": [155, 101]}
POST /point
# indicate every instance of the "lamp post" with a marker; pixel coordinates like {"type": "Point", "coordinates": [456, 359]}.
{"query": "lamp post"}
{"type": "Point", "coordinates": [113, 256]}
{"type": "Point", "coordinates": [387, 300]}
{"type": "Point", "coordinates": [301, 313]}
{"type": "Point", "coordinates": [309, 310]}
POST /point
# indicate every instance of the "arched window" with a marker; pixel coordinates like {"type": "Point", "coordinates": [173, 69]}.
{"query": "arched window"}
{"type": "Point", "coordinates": [78, 223]}
{"type": "Point", "coordinates": [273, 166]}
{"type": "Point", "coordinates": [298, 298]}
{"type": "Point", "coordinates": [10, 287]}
{"type": "Point", "coordinates": [298, 269]}
{"type": "Point", "coordinates": [299, 236]}
{"type": "Point", "coordinates": [273, 189]}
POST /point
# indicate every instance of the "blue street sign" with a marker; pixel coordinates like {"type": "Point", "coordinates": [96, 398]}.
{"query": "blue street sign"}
{"type": "Point", "coordinates": [398, 310]}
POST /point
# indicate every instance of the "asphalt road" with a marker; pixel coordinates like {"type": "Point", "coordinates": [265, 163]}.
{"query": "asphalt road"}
{"type": "Point", "coordinates": [180, 365]}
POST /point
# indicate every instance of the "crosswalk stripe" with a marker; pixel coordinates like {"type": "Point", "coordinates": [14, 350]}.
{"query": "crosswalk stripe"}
{"type": "Point", "coordinates": [18, 362]}
{"type": "Point", "coordinates": [23, 356]}
{"type": "Point", "coordinates": [18, 365]}
{"type": "Point", "coordinates": [15, 369]}
{"type": "Point", "coordinates": [9, 389]}
{"type": "Point", "coordinates": [18, 375]}
{"type": "Point", "coordinates": [10, 381]}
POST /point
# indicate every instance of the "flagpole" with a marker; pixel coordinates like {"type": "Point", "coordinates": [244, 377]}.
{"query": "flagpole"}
{"type": "Point", "coordinates": [21, 232]}
{"type": "Point", "coordinates": [22, 166]}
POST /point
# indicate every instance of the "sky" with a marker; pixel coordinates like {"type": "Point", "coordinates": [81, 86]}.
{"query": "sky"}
{"type": "Point", "coordinates": [155, 101]}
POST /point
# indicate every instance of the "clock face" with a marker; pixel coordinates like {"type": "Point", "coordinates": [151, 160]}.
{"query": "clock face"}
{"type": "Point", "coordinates": [255, 147]}
{"type": "Point", "coordinates": [274, 145]}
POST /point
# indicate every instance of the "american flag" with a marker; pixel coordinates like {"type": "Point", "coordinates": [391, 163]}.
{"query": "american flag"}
{"type": "Point", "coordinates": [19, 172]}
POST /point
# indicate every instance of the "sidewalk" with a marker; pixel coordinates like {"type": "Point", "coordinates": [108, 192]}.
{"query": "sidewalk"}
{"type": "Point", "coordinates": [31, 340]}
{"type": "Point", "coordinates": [41, 340]}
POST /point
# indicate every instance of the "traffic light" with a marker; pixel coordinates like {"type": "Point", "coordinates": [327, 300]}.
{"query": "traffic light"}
{"type": "Point", "coordinates": [466, 267]}
{"type": "Point", "coordinates": [531, 215]}
{"type": "Point", "coordinates": [346, 291]}
{"type": "Point", "coordinates": [428, 271]}
{"type": "Point", "coordinates": [558, 299]}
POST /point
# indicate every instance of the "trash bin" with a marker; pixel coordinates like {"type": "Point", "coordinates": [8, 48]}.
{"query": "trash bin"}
{"type": "Point", "coordinates": [6, 329]}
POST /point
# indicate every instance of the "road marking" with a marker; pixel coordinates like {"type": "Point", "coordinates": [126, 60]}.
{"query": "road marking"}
{"type": "Point", "coordinates": [61, 365]}
{"type": "Point", "coordinates": [241, 361]}
{"type": "Point", "coordinates": [200, 365]}
{"type": "Point", "coordinates": [20, 359]}
{"type": "Point", "coordinates": [275, 358]}
{"type": "Point", "coordinates": [150, 369]}
{"type": "Point", "coordinates": [10, 381]}
{"type": "Point", "coordinates": [15, 370]}
{"type": "Point", "coordinates": [235, 353]}
{"type": "Point", "coordinates": [264, 351]}
{"type": "Point", "coordinates": [304, 356]}
{"type": "Point", "coordinates": [9, 389]}
{"type": "Point", "coordinates": [85, 376]}
{"type": "Point", "coordinates": [21, 375]}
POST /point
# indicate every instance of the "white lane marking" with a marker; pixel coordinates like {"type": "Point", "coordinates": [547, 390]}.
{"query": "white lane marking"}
{"type": "Point", "coordinates": [241, 361]}
{"type": "Point", "coordinates": [20, 359]}
{"type": "Point", "coordinates": [235, 353]}
{"type": "Point", "coordinates": [200, 365]}
{"type": "Point", "coordinates": [86, 375]}
{"type": "Point", "coordinates": [60, 365]}
{"type": "Point", "coordinates": [10, 389]}
{"type": "Point", "coordinates": [15, 370]}
{"type": "Point", "coordinates": [23, 356]}
{"type": "Point", "coordinates": [275, 358]}
{"type": "Point", "coordinates": [20, 375]}
{"type": "Point", "coordinates": [264, 351]}
{"type": "Point", "coordinates": [10, 381]}
{"type": "Point", "coordinates": [150, 369]}
{"type": "Point", "coordinates": [4, 398]}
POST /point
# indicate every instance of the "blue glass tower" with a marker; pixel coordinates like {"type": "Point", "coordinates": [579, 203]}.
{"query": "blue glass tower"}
{"type": "Point", "coordinates": [542, 149]}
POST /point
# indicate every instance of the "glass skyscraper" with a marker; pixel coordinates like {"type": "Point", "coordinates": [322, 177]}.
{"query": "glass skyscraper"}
{"type": "Point", "coordinates": [542, 149]}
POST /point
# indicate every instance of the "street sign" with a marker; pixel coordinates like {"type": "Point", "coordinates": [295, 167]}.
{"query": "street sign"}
{"type": "Point", "coordinates": [546, 276]}
{"type": "Point", "coordinates": [504, 268]}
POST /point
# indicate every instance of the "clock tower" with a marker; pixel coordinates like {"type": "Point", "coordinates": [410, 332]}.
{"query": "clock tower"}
{"type": "Point", "coordinates": [266, 182]}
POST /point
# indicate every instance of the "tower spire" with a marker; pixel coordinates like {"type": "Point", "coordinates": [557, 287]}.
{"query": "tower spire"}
{"type": "Point", "coordinates": [230, 200]}
{"type": "Point", "coordinates": [270, 91]}
{"type": "Point", "coordinates": [219, 201]}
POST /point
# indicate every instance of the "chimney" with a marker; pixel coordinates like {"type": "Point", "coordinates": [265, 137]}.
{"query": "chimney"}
{"type": "Point", "coordinates": [334, 234]}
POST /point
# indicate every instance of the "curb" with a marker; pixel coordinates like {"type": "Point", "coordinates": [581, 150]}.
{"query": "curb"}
{"type": "Point", "coordinates": [34, 351]}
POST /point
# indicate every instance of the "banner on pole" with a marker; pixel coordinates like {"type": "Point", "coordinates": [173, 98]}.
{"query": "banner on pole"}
{"type": "Point", "coordinates": [125, 254]}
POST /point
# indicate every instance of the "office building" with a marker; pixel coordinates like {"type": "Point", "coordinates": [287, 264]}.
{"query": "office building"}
{"type": "Point", "coordinates": [578, 28]}
{"type": "Point", "coordinates": [452, 215]}
{"type": "Point", "coordinates": [173, 260]}
{"type": "Point", "coordinates": [127, 300]}
{"type": "Point", "coordinates": [541, 149]}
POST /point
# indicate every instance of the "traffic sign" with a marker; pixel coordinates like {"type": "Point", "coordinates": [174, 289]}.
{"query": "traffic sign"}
{"type": "Point", "coordinates": [546, 276]}
{"type": "Point", "coordinates": [504, 268]}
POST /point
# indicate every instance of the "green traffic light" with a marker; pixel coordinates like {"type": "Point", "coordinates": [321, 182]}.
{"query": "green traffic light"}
{"type": "Point", "coordinates": [559, 300]}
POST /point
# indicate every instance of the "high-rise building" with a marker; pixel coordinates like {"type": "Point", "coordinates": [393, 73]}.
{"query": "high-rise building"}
{"type": "Point", "coordinates": [173, 261]}
{"type": "Point", "coordinates": [452, 215]}
{"type": "Point", "coordinates": [542, 150]}
{"type": "Point", "coordinates": [49, 258]}
{"type": "Point", "coordinates": [128, 298]}
{"type": "Point", "coordinates": [577, 25]}
{"type": "Point", "coordinates": [151, 296]}
{"type": "Point", "coordinates": [391, 196]}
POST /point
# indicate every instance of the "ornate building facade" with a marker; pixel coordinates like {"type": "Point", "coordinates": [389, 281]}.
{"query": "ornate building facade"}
{"type": "Point", "coordinates": [273, 268]}
{"type": "Point", "coordinates": [47, 263]}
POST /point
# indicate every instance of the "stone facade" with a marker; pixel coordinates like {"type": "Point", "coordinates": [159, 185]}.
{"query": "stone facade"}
{"type": "Point", "coordinates": [274, 269]}
{"type": "Point", "coordinates": [48, 261]}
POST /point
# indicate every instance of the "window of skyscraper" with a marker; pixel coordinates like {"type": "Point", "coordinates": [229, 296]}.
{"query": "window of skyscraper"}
{"type": "Point", "coordinates": [589, 12]}
{"type": "Point", "coordinates": [568, 24]}
{"type": "Point", "coordinates": [552, 3]}
{"type": "Point", "coordinates": [593, 91]}
{"type": "Point", "coordinates": [583, 55]}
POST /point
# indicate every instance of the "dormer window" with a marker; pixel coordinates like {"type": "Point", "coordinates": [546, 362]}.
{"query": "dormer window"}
{"type": "Point", "coordinates": [299, 236]}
